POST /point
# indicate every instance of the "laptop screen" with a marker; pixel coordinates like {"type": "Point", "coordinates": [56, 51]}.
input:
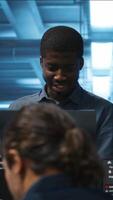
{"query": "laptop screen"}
{"type": "Point", "coordinates": [85, 119]}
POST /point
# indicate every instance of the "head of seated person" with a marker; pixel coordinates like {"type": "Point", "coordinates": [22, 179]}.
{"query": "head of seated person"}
{"type": "Point", "coordinates": [43, 140]}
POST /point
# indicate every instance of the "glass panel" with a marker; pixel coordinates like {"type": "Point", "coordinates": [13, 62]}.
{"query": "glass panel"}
{"type": "Point", "coordinates": [101, 13]}
{"type": "Point", "coordinates": [101, 86]}
{"type": "Point", "coordinates": [101, 55]}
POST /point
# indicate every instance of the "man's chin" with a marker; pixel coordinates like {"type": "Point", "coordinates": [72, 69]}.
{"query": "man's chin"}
{"type": "Point", "coordinates": [59, 95]}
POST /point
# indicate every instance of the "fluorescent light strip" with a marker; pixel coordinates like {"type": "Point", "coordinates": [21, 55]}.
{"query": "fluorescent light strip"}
{"type": "Point", "coordinates": [29, 82]}
{"type": "Point", "coordinates": [4, 106]}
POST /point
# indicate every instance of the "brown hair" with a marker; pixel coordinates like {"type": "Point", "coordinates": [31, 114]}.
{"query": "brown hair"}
{"type": "Point", "coordinates": [48, 137]}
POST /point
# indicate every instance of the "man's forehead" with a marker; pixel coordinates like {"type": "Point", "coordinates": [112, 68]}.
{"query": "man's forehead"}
{"type": "Point", "coordinates": [56, 54]}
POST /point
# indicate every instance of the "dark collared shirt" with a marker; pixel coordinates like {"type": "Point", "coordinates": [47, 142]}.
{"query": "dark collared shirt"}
{"type": "Point", "coordinates": [81, 99]}
{"type": "Point", "coordinates": [60, 187]}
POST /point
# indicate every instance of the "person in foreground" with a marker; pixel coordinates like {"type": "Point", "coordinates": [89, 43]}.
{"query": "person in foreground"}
{"type": "Point", "coordinates": [61, 58]}
{"type": "Point", "coordinates": [47, 157]}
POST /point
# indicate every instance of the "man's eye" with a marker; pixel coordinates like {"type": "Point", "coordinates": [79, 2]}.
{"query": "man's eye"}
{"type": "Point", "coordinates": [52, 67]}
{"type": "Point", "coordinates": [69, 68]}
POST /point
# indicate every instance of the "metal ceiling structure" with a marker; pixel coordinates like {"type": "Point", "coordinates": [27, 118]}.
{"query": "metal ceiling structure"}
{"type": "Point", "coordinates": [22, 24]}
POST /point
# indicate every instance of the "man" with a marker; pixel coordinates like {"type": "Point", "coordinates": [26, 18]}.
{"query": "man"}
{"type": "Point", "coordinates": [61, 59]}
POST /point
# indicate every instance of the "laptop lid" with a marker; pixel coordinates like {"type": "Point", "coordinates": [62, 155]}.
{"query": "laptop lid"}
{"type": "Point", "coordinates": [85, 119]}
{"type": "Point", "coordinates": [5, 117]}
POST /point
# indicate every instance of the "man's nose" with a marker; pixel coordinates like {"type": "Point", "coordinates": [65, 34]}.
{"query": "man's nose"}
{"type": "Point", "coordinates": [60, 75]}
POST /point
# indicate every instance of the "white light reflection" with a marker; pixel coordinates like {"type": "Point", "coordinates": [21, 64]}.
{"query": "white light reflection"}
{"type": "Point", "coordinates": [101, 13]}
{"type": "Point", "coordinates": [101, 55]}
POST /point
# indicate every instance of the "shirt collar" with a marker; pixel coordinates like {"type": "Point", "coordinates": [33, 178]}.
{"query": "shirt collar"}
{"type": "Point", "coordinates": [75, 96]}
{"type": "Point", "coordinates": [43, 95]}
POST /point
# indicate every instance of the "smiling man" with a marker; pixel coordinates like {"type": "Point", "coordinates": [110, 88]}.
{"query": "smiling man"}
{"type": "Point", "coordinates": [61, 72]}
{"type": "Point", "coordinates": [61, 58]}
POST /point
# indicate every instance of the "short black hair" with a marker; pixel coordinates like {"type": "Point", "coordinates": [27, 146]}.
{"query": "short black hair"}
{"type": "Point", "coordinates": [62, 39]}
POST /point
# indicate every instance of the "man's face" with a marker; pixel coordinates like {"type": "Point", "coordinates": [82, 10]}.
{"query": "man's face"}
{"type": "Point", "coordinates": [61, 72]}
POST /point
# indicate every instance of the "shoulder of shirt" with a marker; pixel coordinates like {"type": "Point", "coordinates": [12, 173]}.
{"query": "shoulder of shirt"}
{"type": "Point", "coordinates": [96, 98]}
{"type": "Point", "coordinates": [24, 101]}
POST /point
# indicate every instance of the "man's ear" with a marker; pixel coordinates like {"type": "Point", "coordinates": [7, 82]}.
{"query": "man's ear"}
{"type": "Point", "coordinates": [14, 161]}
{"type": "Point", "coordinates": [81, 63]}
{"type": "Point", "coordinates": [41, 60]}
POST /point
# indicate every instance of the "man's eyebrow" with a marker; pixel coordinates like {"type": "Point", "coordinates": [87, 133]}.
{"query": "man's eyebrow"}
{"type": "Point", "coordinates": [68, 65]}
{"type": "Point", "coordinates": [51, 63]}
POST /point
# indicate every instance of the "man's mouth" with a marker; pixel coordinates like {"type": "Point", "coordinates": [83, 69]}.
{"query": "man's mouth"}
{"type": "Point", "coordinates": [58, 87]}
